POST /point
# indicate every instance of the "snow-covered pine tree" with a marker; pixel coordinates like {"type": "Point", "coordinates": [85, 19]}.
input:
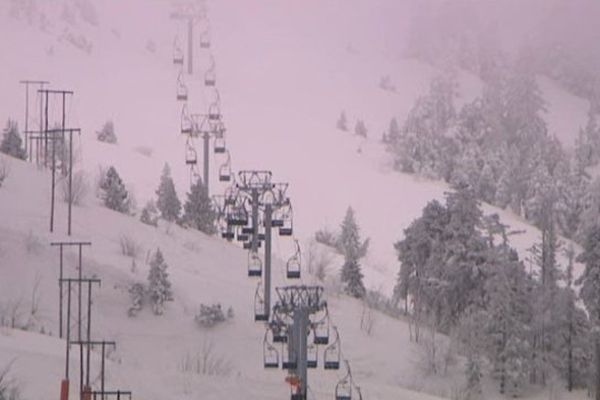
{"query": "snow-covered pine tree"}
{"type": "Point", "coordinates": [107, 133]}
{"type": "Point", "coordinates": [114, 194]}
{"type": "Point", "coordinates": [137, 292]}
{"type": "Point", "coordinates": [150, 214]}
{"type": "Point", "coordinates": [360, 129]}
{"type": "Point", "coordinates": [393, 133]}
{"type": "Point", "coordinates": [590, 291]}
{"type": "Point", "coordinates": [353, 250]}
{"type": "Point", "coordinates": [198, 211]}
{"type": "Point", "coordinates": [11, 141]}
{"type": "Point", "coordinates": [167, 201]}
{"type": "Point", "coordinates": [342, 122]}
{"type": "Point", "coordinates": [159, 287]}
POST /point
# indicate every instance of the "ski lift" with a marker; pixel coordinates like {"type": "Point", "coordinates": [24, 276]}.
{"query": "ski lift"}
{"type": "Point", "coordinates": [225, 170]}
{"type": "Point", "coordinates": [260, 311]}
{"type": "Point", "coordinates": [177, 52]}
{"type": "Point", "coordinates": [210, 77]}
{"type": "Point", "coordinates": [279, 333]}
{"type": "Point", "coordinates": [219, 146]}
{"type": "Point", "coordinates": [191, 157]}
{"type": "Point", "coordinates": [214, 112]}
{"type": "Point", "coordinates": [205, 39]}
{"type": "Point", "coordinates": [312, 356]}
{"type": "Point", "coordinates": [333, 352]}
{"type": "Point", "coordinates": [288, 359]}
{"type": "Point", "coordinates": [248, 245]}
{"type": "Point", "coordinates": [241, 237]}
{"type": "Point", "coordinates": [228, 234]}
{"type": "Point", "coordinates": [182, 91]}
{"type": "Point", "coordinates": [293, 264]}
{"type": "Point", "coordinates": [254, 264]}
{"type": "Point", "coordinates": [270, 353]}
{"type": "Point", "coordinates": [345, 388]}
{"type": "Point", "coordinates": [186, 121]}
{"type": "Point", "coordinates": [321, 330]}
{"type": "Point", "coordinates": [248, 230]}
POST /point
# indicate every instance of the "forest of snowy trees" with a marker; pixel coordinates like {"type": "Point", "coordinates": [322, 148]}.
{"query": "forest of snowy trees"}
{"type": "Point", "coordinates": [460, 276]}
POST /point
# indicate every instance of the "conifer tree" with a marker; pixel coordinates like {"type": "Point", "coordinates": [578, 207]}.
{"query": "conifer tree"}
{"type": "Point", "coordinates": [360, 129]}
{"type": "Point", "coordinates": [342, 123]}
{"type": "Point", "coordinates": [114, 194]}
{"type": "Point", "coordinates": [353, 250]}
{"type": "Point", "coordinates": [150, 214]}
{"type": "Point", "coordinates": [11, 141]}
{"type": "Point", "coordinates": [159, 287]}
{"type": "Point", "coordinates": [167, 201]}
{"type": "Point", "coordinates": [198, 211]}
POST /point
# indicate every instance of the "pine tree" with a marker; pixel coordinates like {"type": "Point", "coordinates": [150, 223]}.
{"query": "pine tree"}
{"type": "Point", "coordinates": [198, 209]}
{"type": "Point", "coordinates": [114, 194]}
{"type": "Point", "coordinates": [11, 141]}
{"type": "Point", "coordinates": [353, 250]}
{"type": "Point", "coordinates": [167, 201]}
{"type": "Point", "coordinates": [150, 214]}
{"type": "Point", "coordinates": [360, 129]}
{"type": "Point", "coordinates": [342, 122]}
{"type": "Point", "coordinates": [590, 291]}
{"type": "Point", "coordinates": [393, 133]}
{"type": "Point", "coordinates": [159, 287]}
{"type": "Point", "coordinates": [107, 133]}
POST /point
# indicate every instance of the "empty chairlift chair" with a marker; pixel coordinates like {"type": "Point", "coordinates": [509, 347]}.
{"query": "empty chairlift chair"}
{"type": "Point", "coordinates": [321, 330]}
{"type": "Point", "coordinates": [270, 353]}
{"type": "Point", "coordinates": [225, 169]}
{"type": "Point", "coordinates": [279, 333]}
{"type": "Point", "coordinates": [254, 265]}
{"type": "Point", "coordinates": [205, 39]}
{"type": "Point", "coordinates": [294, 263]}
{"type": "Point", "coordinates": [312, 356]}
{"type": "Point", "coordinates": [214, 112]}
{"type": "Point", "coordinates": [333, 352]}
{"type": "Point", "coordinates": [288, 226]}
{"type": "Point", "coordinates": [210, 77]}
{"type": "Point", "coordinates": [219, 145]}
{"type": "Point", "coordinates": [177, 52]}
{"type": "Point", "coordinates": [260, 312]}
{"type": "Point", "coordinates": [186, 121]}
{"type": "Point", "coordinates": [182, 91]}
{"type": "Point", "coordinates": [343, 389]}
{"type": "Point", "coordinates": [288, 358]}
{"type": "Point", "coordinates": [191, 157]}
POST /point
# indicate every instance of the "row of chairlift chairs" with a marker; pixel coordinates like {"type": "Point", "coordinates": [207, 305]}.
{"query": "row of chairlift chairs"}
{"type": "Point", "coordinates": [322, 333]}
{"type": "Point", "coordinates": [283, 220]}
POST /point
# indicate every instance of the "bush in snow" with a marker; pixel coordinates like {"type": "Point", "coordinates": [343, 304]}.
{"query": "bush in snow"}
{"type": "Point", "coordinates": [113, 192]}
{"type": "Point", "coordinates": [211, 315]}
{"type": "Point", "coordinates": [159, 287]}
{"type": "Point", "coordinates": [11, 141]}
{"type": "Point", "coordinates": [3, 171]}
{"type": "Point", "coordinates": [150, 214]}
{"type": "Point", "coordinates": [79, 188]}
{"type": "Point", "coordinates": [326, 237]}
{"type": "Point", "coordinates": [137, 294]}
{"type": "Point", "coordinates": [360, 129]}
{"type": "Point", "coordinates": [342, 122]}
{"type": "Point", "coordinates": [206, 362]}
{"type": "Point", "coordinates": [9, 388]}
{"type": "Point", "coordinates": [107, 133]}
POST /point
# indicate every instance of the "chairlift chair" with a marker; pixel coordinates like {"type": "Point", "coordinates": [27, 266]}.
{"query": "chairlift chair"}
{"type": "Point", "coordinates": [321, 330]}
{"type": "Point", "coordinates": [248, 245]}
{"type": "Point", "coordinates": [228, 234]}
{"type": "Point", "coordinates": [343, 389]}
{"type": "Point", "coordinates": [254, 264]}
{"type": "Point", "coordinates": [288, 359]}
{"type": "Point", "coordinates": [182, 91]}
{"type": "Point", "coordinates": [279, 333]}
{"type": "Point", "coordinates": [177, 52]}
{"type": "Point", "coordinates": [270, 354]}
{"type": "Point", "coordinates": [219, 145]}
{"type": "Point", "coordinates": [191, 157]}
{"type": "Point", "coordinates": [210, 78]}
{"type": "Point", "coordinates": [214, 112]}
{"type": "Point", "coordinates": [248, 230]}
{"type": "Point", "coordinates": [333, 352]}
{"type": "Point", "coordinates": [294, 263]}
{"type": "Point", "coordinates": [186, 121]}
{"type": "Point", "coordinates": [312, 356]}
{"type": "Point", "coordinates": [241, 237]}
{"type": "Point", "coordinates": [237, 216]}
{"type": "Point", "coordinates": [225, 170]}
{"type": "Point", "coordinates": [205, 39]}
{"type": "Point", "coordinates": [260, 312]}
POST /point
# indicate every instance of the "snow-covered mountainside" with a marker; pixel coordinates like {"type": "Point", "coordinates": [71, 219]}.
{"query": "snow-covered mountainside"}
{"type": "Point", "coordinates": [284, 73]}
